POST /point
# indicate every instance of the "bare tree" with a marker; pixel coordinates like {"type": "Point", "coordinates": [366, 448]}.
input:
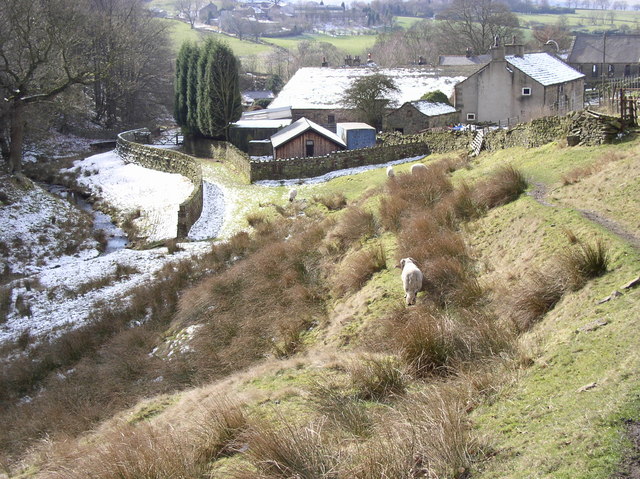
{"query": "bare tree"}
{"type": "Point", "coordinates": [189, 9]}
{"type": "Point", "coordinates": [474, 24]}
{"type": "Point", "coordinates": [41, 56]}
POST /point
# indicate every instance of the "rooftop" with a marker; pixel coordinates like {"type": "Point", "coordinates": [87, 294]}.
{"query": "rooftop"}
{"type": "Point", "coordinates": [609, 49]}
{"type": "Point", "coordinates": [431, 108]}
{"type": "Point", "coordinates": [322, 88]}
{"type": "Point", "coordinates": [544, 68]}
{"type": "Point", "coordinates": [299, 127]}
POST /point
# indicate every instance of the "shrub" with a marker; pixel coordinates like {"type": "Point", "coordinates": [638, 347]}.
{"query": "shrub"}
{"type": "Point", "coordinates": [256, 218]}
{"type": "Point", "coordinates": [342, 409]}
{"type": "Point", "coordinates": [355, 224]}
{"type": "Point", "coordinates": [504, 186]}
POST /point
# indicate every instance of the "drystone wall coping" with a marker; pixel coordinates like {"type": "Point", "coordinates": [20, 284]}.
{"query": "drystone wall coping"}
{"type": "Point", "coordinates": [168, 161]}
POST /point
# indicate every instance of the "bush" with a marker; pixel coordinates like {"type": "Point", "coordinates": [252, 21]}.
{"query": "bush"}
{"type": "Point", "coordinates": [332, 201]}
{"type": "Point", "coordinates": [355, 224]}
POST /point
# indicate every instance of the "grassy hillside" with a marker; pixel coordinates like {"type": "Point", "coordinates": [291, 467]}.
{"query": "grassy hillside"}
{"type": "Point", "coordinates": [289, 352]}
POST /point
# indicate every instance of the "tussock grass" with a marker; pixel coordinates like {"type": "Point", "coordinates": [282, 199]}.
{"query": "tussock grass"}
{"type": "Point", "coordinates": [354, 225]}
{"type": "Point", "coordinates": [342, 408]}
{"type": "Point", "coordinates": [332, 201]}
{"type": "Point", "coordinates": [377, 378]}
{"type": "Point", "coordinates": [435, 342]}
{"type": "Point", "coordinates": [503, 186]}
{"type": "Point", "coordinates": [583, 262]}
{"type": "Point", "coordinates": [578, 174]}
{"type": "Point", "coordinates": [356, 269]}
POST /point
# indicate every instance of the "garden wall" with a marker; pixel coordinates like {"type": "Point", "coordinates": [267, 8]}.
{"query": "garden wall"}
{"type": "Point", "coordinates": [221, 151]}
{"type": "Point", "coordinates": [169, 161]}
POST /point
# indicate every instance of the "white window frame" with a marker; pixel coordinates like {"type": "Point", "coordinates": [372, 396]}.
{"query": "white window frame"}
{"type": "Point", "coordinates": [471, 117]}
{"type": "Point", "coordinates": [526, 91]}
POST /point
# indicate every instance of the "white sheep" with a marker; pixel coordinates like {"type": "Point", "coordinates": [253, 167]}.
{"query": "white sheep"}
{"type": "Point", "coordinates": [292, 194]}
{"type": "Point", "coordinates": [411, 279]}
{"type": "Point", "coordinates": [390, 172]}
{"type": "Point", "coordinates": [418, 169]}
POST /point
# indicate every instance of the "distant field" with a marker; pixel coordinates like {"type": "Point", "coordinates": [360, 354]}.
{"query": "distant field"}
{"type": "Point", "coordinates": [587, 20]}
{"type": "Point", "coordinates": [181, 32]}
{"type": "Point", "coordinates": [351, 44]}
{"type": "Point", "coordinates": [407, 22]}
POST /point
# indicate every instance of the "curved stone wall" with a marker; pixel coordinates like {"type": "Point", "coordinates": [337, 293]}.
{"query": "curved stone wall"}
{"type": "Point", "coordinates": [169, 161]}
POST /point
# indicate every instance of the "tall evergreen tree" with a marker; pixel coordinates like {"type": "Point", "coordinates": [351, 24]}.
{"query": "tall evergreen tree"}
{"type": "Point", "coordinates": [182, 80]}
{"type": "Point", "coordinates": [219, 100]}
{"type": "Point", "coordinates": [191, 95]}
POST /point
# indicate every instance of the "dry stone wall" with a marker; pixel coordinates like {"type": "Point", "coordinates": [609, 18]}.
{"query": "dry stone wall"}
{"type": "Point", "coordinates": [221, 151]}
{"type": "Point", "coordinates": [289, 168]}
{"type": "Point", "coordinates": [169, 161]}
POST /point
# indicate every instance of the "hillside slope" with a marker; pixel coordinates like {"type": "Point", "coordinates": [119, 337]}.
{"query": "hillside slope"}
{"type": "Point", "coordinates": [308, 364]}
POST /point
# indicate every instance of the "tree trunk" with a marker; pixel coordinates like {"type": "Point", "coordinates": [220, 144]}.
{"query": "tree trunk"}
{"type": "Point", "coordinates": [16, 137]}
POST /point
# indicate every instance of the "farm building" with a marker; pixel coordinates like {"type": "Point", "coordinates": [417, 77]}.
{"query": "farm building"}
{"type": "Point", "coordinates": [415, 116]}
{"type": "Point", "coordinates": [356, 135]}
{"type": "Point", "coordinates": [605, 56]}
{"type": "Point", "coordinates": [517, 87]}
{"type": "Point", "coordinates": [243, 132]}
{"type": "Point", "coordinates": [305, 138]}
{"type": "Point", "coordinates": [316, 93]}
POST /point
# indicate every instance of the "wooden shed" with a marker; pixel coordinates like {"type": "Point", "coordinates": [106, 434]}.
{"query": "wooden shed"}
{"type": "Point", "coordinates": [305, 138]}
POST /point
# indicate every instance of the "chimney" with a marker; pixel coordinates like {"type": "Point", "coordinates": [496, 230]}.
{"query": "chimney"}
{"type": "Point", "coordinates": [496, 50]}
{"type": "Point", "coordinates": [514, 49]}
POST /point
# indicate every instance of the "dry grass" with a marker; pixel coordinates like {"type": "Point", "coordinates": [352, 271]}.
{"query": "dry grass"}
{"type": "Point", "coordinates": [332, 201]}
{"type": "Point", "coordinates": [377, 378]}
{"type": "Point", "coordinates": [506, 184]}
{"type": "Point", "coordinates": [435, 342]}
{"type": "Point", "coordinates": [578, 174]}
{"type": "Point", "coordinates": [357, 268]}
{"type": "Point", "coordinates": [355, 224]}
{"type": "Point", "coordinates": [583, 262]}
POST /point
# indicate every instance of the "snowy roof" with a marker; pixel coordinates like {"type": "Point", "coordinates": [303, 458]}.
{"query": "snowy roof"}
{"type": "Point", "coordinates": [544, 68]}
{"type": "Point", "coordinates": [258, 94]}
{"type": "Point", "coordinates": [262, 123]}
{"type": "Point", "coordinates": [613, 48]}
{"type": "Point", "coordinates": [267, 114]}
{"type": "Point", "coordinates": [299, 127]}
{"type": "Point", "coordinates": [354, 126]}
{"type": "Point", "coordinates": [461, 60]}
{"type": "Point", "coordinates": [431, 108]}
{"type": "Point", "coordinates": [322, 88]}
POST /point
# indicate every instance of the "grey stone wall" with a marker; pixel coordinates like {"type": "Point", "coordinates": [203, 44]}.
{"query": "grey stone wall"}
{"type": "Point", "coordinates": [221, 151]}
{"type": "Point", "coordinates": [308, 167]}
{"type": "Point", "coordinates": [168, 161]}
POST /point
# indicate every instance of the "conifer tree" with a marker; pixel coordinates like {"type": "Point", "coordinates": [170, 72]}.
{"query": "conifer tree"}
{"type": "Point", "coordinates": [182, 80]}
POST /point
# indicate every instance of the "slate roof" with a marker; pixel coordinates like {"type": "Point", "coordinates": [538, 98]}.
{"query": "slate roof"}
{"type": "Point", "coordinates": [544, 68]}
{"type": "Point", "coordinates": [298, 128]}
{"type": "Point", "coordinates": [591, 49]}
{"type": "Point", "coordinates": [262, 123]}
{"type": "Point", "coordinates": [323, 88]}
{"type": "Point", "coordinates": [431, 108]}
{"type": "Point", "coordinates": [463, 60]}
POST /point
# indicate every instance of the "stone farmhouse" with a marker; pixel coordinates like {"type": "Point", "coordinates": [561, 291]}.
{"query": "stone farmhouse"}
{"type": "Point", "coordinates": [517, 87]}
{"type": "Point", "coordinates": [316, 93]}
{"type": "Point", "coordinates": [416, 116]}
{"type": "Point", "coordinates": [304, 138]}
{"type": "Point", "coordinates": [605, 56]}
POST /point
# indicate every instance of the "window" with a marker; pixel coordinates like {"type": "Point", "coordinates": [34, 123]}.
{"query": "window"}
{"type": "Point", "coordinates": [627, 70]}
{"type": "Point", "coordinates": [610, 70]}
{"type": "Point", "coordinates": [471, 116]}
{"type": "Point", "coordinates": [331, 119]}
{"type": "Point", "coordinates": [526, 91]}
{"type": "Point", "coordinates": [309, 148]}
{"type": "Point", "coordinates": [594, 70]}
{"type": "Point", "coordinates": [399, 130]}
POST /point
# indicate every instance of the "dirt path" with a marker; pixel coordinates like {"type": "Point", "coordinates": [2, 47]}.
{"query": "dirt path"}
{"type": "Point", "coordinates": [539, 193]}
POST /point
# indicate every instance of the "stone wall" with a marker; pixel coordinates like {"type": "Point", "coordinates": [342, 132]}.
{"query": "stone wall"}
{"type": "Point", "coordinates": [169, 161]}
{"type": "Point", "coordinates": [308, 167]}
{"type": "Point", "coordinates": [221, 151]}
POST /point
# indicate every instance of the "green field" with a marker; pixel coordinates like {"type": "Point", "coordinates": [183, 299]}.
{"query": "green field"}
{"type": "Point", "coordinates": [587, 20]}
{"type": "Point", "coordinates": [350, 44]}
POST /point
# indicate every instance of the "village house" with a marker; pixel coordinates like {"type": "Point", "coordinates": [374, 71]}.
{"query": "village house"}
{"type": "Point", "coordinates": [207, 13]}
{"type": "Point", "coordinates": [416, 116]}
{"type": "Point", "coordinates": [517, 87]}
{"type": "Point", "coordinates": [605, 56]}
{"type": "Point", "coordinates": [303, 139]}
{"type": "Point", "coordinates": [317, 93]}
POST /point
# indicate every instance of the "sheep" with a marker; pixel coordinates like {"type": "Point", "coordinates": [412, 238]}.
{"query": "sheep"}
{"type": "Point", "coordinates": [418, 169]}
{"type": "Point", "coordinates": [292, 194]}
{"type": "Point", "coordinates": [411, 279]}
{"type": "Point", "coordinates": [390, 172]}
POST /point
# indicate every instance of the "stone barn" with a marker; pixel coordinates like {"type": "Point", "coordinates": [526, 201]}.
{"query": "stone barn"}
{"type": "Point", "coordinates": [303, 139]}
{"type": "Point", "coordinates": [416, 116]}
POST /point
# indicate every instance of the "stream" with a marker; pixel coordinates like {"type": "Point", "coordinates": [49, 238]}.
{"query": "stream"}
{"type": "Point", "coordinates": [116, 239]}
